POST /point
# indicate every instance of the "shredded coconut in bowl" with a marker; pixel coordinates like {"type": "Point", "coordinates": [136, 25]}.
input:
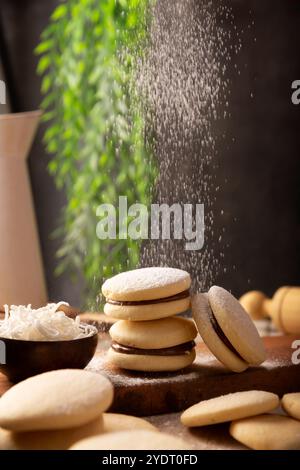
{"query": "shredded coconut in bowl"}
{"type": "Point", "coordinates": [47, 323]}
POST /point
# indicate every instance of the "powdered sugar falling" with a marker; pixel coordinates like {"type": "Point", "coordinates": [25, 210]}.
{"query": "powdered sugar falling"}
{"type": "Point", "coordinates": [182, 78]}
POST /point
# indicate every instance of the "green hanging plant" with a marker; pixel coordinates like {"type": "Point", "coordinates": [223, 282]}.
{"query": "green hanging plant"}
{"type": "Point", "coordinates": [95, 134]}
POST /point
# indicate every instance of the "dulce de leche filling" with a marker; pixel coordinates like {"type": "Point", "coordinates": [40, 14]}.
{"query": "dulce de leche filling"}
{"type": "Point", "coordinates": [219, 332]}
{"type": "Point", "coordinates": [179, 350]}
{"type": "Point", "coordinates": [182, 295]}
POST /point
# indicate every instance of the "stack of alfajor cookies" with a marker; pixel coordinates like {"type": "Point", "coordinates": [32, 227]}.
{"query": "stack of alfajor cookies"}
{"type": "Point", "coordinates": [148, 337]}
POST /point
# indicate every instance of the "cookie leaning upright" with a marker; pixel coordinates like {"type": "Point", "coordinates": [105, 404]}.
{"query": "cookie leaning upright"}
{"type": "Point", "coordinates": [227, 329]}
{"type": "Point", "coordinates": [147, 293]}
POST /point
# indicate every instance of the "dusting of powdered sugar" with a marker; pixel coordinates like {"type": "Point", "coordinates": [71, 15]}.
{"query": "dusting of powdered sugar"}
{"type": "Point", "coordinates": [135, 282]}
{"type": "Point", "coordinates": [182, 79]}
{"type": "Point", "coordinates": [236, 324]}
{"type": "Point", "coordinates": [226, 306]}
{"type": "Point", "coordinates": [128, 379]}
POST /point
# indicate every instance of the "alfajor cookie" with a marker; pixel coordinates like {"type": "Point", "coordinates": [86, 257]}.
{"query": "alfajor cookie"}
{"type": "Point", "coordinates": [291, 404]}
{"type": "Point", "coordinates": [227, 329]}
{"type": "Point", "coordinates": [157, 345]}
{"type": "Point", "coordinates": [229, 407]}
{"type": "Point", "coordinates": [147, 294]}
{"type": "Point", "coordinates": [132, 440]}
{"type": "Point", "coordinates": [267, 432]}
{"type": "Point", "coordinates": [54, 400]}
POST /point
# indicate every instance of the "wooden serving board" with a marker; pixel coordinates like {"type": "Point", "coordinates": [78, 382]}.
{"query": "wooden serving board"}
{"type": "Point", "coordinates": [145, 394]}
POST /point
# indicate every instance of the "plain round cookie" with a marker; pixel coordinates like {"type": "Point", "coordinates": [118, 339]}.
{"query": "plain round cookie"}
{"type": "Point", "coordinates": [236, 325]}
{"type": "Point", "coordinates": [267, 432]}
{"type": "Point", "coordinates": [115, 422]}
{"type": "Point", "coordinates": [49, 440]}
{"type": "Point", "coordinates": [148, 311]}
{"type": "Point", "coordinates": [54, 400]}
{"type": "Point", "coordinates": [150, 363]}
{"type": "Point", "coordinates": [201, 312]}
{"type": "Point", "coordinates": [146, 284]}
{"type": "Point", "coordinates": [154, 334]}
{"type": "Point", "coordinates": [132, 440]}
{"type": "Point", "coordinates": [291, 404]}
{"type": "Point", "coordinates": [64, 438]}
{"type": "Point", "coordinates": [229, 407]}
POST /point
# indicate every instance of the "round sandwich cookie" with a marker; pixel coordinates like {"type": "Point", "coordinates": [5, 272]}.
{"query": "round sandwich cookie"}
{"type": "Point", "coordinates": [154, 334]}
{"type": "Point", "coordinates": [227, 329]}
{"type": "Point", "coordinates": [147, 294]}
{"type": "Point", "coordinates": [132, 440]}
{"type": "Point", "coordinates": [291, 404]}
{"type": "Point", "coordinates": [152, 363]}
{"type": "Point", "coordinates": [156, 345]}
{"type": "Point", "coordinates": [54, 400]}
{"type": "Point", "coordinates": [229, 407]}
{"type": "Point", "coordinates": [267, 432]}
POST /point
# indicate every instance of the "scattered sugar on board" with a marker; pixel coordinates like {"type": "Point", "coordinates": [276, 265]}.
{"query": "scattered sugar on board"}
{"type": "Point", "coordinates": [127, 378]}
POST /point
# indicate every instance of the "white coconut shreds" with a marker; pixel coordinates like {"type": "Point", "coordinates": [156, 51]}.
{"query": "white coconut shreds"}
{"type": "Point", "coordinates": [47, 323]}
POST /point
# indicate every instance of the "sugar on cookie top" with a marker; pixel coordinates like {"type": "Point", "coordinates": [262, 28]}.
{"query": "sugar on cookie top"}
{"type": "Point", "coordinates": [146, 284]}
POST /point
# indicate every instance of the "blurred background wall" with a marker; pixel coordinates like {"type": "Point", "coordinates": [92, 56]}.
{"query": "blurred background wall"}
{"type": "Point", "coordinates": [261, 198]}
{"type": "Point", "coordinates": [259, 165]}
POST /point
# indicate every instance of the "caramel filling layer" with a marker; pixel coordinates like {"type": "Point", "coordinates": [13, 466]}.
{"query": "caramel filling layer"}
{"type": "Point", "coordinates": [182, 295]}
{"type": "Point", "coordinates": [219, 332]}
{"type": "Point", "coordinates": [181, 349]}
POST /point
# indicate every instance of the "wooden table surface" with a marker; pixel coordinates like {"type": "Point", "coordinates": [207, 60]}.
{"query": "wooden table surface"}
{"type": "Point", "coordinates": [214, 437]}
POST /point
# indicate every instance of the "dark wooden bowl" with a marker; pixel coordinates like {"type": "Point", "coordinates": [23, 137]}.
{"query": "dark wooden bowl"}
{"type": "Point", "coordinates": [26, 358]}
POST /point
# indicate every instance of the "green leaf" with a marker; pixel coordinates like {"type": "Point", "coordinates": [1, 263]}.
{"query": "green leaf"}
{"type": "Point", "coordinates": [59, 12]}
{"type": "Point", "coordinates": [46, 83]}
{"type": "Point", "coordinates": [43, 47]}
{"type": "Point", "coordinates": [95, 128]}
{"type": "Point", "coordinates": [43, 64]}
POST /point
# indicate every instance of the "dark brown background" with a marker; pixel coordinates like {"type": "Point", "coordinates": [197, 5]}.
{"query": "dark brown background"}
{"type": "Point", "coordinates": [261, 199]}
